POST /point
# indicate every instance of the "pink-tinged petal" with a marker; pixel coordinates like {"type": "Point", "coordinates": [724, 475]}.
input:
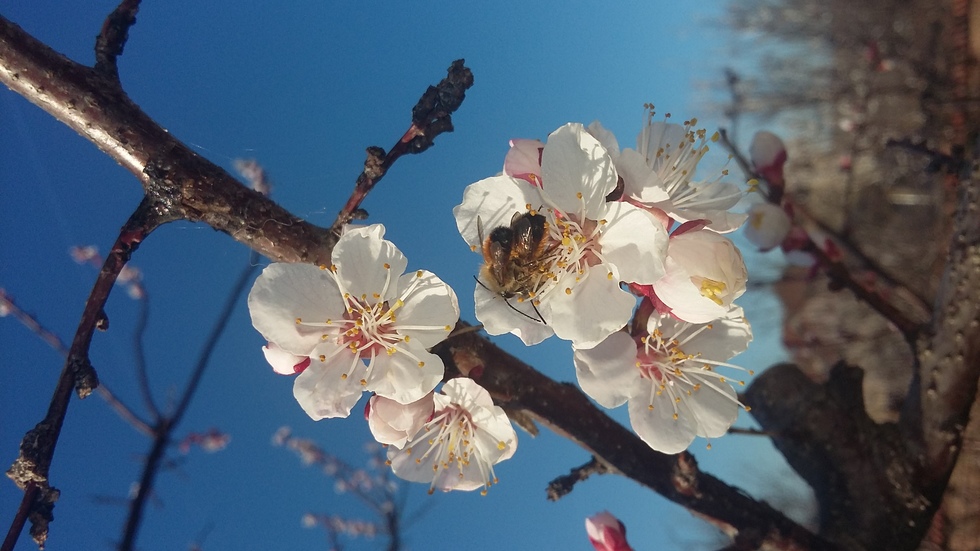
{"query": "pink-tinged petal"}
{"type": "Point", "coordinates": [360, 256]}
{"type": "Point", "coordinates": [640, 182]}
{"type": "Point", "coordinates": [658, 427]}
{"type": "Point", "coordinates": [393, 423]}
{"type": "Point", "coordinates": [587, 311]}
{"type": "Point", "coordinates": [605, 137]}
{"type": "Point", "coordinates": [767, 150]}
{"type": "Point", "coordinates": [578, 172]}
{"type": "Point", "coordinates": [283, 362]}
{"type": "Point", "coordinates": [323, 393]}
{"type": "Point", "coordinates": [523, 160]}
{"type": "Point", "coordinates": [492, 202]}
{"type": "Point", "coordinates": [407, 375]}
{"type": "Point", "coordinates": [635, 242]}
{"type": "Point", "coordinates": [608, 373]}
{"type": "Point", "coordinates": [284, 293]}
{"type": "Point", "coordinates": [606, 533]}
{"type": "Point", "coordinates": [478, 431]}
{"type": "Point", "coordinates": [500, 316]}
{"type": "Point", "coordinates": [768, 225]}
{"type": "Point", "coordinates": [431, 309]}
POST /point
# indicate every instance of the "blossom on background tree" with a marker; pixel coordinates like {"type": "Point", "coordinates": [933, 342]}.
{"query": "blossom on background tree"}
{"type": "Point", "coordinates": [571, 287]}
{"type": "Point", "coordinates": [606, 532]}
{"type": "Point", "coordinates": [667, 373]}
{"type": "Point", "coordinates": [461, 438]}
{"type": "Point", "coordinates": [364, 323]}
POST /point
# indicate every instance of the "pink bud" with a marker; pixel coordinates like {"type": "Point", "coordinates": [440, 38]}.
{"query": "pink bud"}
{"type": "Point", "coordinates": [768, 154]}
{"type": "Point", "coordinates": [283, 362]}
{"type": "Point", "coordinates": [606, 533]}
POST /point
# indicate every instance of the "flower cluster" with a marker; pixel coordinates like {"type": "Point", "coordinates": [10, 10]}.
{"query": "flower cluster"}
{"type": "Point", "coordinates": [576, 232]}
{"type": "Point", "coordinates": [363, 324]}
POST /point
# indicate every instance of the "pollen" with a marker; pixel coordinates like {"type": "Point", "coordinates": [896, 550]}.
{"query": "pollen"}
{"type": "Point", "coordinates": [343, 376]}
{"type": "Point", "coordinates": [363, 382]}
{"type": "Point", "coordinates": [387, 266]}
{"type": "Point", "coordinates": [609, 275]}
{"type": "Point", "coordinates": [578, 194]}
{"type": "Point", "coordinates": [715, 137]}
{"type": "Point", "coordinates": [418, 273]}
{"type": "Point", "coordinates": [323, 266]}
{"type": "Point", "coordinates": [675, 417]}
{"type": "Point", "coordinates": [323, 358]}
{"type": "Point", "coordinates": [421, 364]}
{"type": "Point", "coordinates": [299, 321]}
{"type": "Point", "coordinates": [501, 445]}
{"type": "Point", "coordinates": [447, 328]}
{"type": "Point", "coordinates": [568, 290]}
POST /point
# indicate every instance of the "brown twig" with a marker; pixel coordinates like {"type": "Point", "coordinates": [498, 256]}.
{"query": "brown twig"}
{"type": "Point", "coordinates": [37, 449]}
{"type": "Point", "coordinates": [563, 485]}
{"type": "Point", "coordinates": [115, 31]}
{"type": "Point", "coordinates": [166, 425]}
{"type": "Point", "coordinates": [54, 341]}
{"type": "Point", "coordinates": [431, 116]}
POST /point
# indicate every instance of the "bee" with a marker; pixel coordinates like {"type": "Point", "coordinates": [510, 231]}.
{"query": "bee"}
{"type": "Point", "coordinates": [516, 258]}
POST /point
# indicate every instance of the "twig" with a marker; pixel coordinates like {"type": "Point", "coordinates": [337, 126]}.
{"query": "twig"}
{"type": "Point", "coordinates": [37, 449]}
{"type": "Point", "coordinates": [166, 426]}
{"type": "Point", "coordinates": [142, 376]}
{"type": "Point", "coordinates": [54, 341]}
{"type": "Point", "coordinates": [115, 31]}
{"type": "Point", "coordinates": [563, 485]}
{"type": "Point", "coordinates": [431, 116]}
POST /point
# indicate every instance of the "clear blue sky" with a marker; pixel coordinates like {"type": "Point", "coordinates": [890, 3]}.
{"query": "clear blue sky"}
{"type": "Point", "coordinates": [304, 87]}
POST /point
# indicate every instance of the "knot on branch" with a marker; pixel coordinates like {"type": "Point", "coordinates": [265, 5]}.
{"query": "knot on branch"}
{"type": "Point", "coordinates": [86, 379]}
{"type": "Point", "coordinates": [374, 163]}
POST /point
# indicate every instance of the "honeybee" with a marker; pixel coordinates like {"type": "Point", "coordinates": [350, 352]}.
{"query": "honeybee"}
{"type": "Point", "coordinates": [516, 258]}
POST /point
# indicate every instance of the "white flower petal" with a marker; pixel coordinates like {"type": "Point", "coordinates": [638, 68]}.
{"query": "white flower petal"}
{"type": "Point", "coordinates": [523, 160]}
{"type": "Point", "coordinates": [284, 292]}
{"type": "Point", "coordinates": [431, 309]}
{"type": "Point", "coordinates": [658, 428]}
{"type": "Point", "coordinates": [499, 317]}
{"type": "Point", "coordinates": [322, 392]}
{"type": "Point", "coordinates": [578, 172]}
{"type": "Point", "coordinates": [400, 377]}
{"type": "Point", "coordinates": [640, 182]}
{"type": "Point", "coordinates": [605, 137]}
{"type": "Point", "coordinates": [360, 256]}
{"type": "Point", "coordinates": [393, 423]}
{"type": "Point", "coordinates": [608, 372]}
{"type": "Point", "coordinates": [594, 309]}
{"type": "Point", "coordinates": [635, 242]}
{"type": "Point", "coordinates": [714, 406]}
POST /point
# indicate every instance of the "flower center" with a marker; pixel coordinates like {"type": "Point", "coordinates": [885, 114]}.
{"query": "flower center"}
{"type": "Point", "coordinates": [450, 435]}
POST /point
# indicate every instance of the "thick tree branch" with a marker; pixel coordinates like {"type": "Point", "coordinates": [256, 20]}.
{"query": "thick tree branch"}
{"type": "Point", "coordinates": [567, 411]}
{"type": "Point", "coordinates": [94, 105]}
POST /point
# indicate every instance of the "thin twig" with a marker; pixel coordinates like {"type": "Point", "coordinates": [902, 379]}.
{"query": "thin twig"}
{"type": "Point", "coordinates": [139, 353]}
{"type": "Point", "coordinates": [431, 116]}
{"type": "Point", "coordinates": [37, 448]}
{"type": "Point", "coordinates": [54, 341]}
{"type": "Point", "coordinates": [115, 31]}
{"type": "Point", "coordinates": [166, 426]}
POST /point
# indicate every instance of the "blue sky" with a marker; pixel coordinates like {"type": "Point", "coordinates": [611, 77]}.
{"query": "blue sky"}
{"type": "Point", "coordinates": [304, 87]}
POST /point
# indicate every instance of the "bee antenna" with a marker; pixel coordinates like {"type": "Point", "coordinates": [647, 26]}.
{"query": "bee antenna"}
{"type": "Point", "coordinates": [538, 319]}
